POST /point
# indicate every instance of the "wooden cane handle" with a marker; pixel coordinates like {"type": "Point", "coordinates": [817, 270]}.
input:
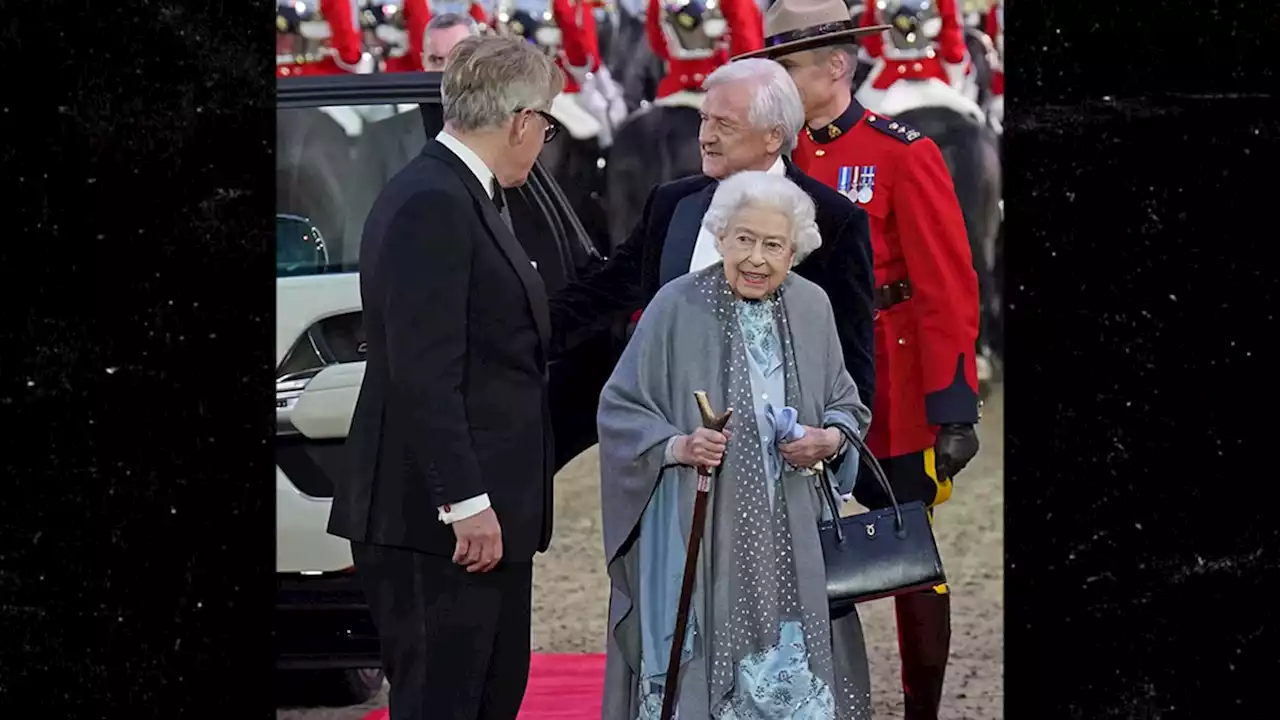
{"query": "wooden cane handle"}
{"type": "Point", "coordinates": [710, 420]}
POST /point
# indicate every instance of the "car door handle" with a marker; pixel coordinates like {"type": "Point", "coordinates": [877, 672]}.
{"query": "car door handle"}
{"type": "Point", "coordinates": [324, 409]}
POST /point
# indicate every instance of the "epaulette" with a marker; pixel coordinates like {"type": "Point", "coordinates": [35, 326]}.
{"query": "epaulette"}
{"type": "Point", "coordinates": [894, 129]}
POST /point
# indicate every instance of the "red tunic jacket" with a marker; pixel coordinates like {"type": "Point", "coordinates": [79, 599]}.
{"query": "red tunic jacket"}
{"type": "Point", "coordinates": [949, 45]}
{"type": "Point", "coordinates": [579, 44]}
{"type": "Point", "coordinates": [993, 25]}
{"type": "Point", "coordinates": [746, 33]}
{"type": "Point", "coordinates": [344, 39]}
{"type": "Point", "coordinates": [925, 371]}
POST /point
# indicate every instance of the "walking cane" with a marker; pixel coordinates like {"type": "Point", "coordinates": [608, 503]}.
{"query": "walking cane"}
{"type": "Point", "coordinates": [711, 422]}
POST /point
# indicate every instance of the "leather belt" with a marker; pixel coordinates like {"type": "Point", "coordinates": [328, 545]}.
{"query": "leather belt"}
{"type": "Point", "coordinates": [892, 293]}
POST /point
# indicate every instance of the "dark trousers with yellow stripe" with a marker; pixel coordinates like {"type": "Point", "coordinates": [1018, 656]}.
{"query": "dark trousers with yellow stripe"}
{"type": "Point", "coordinates": [924, 619]}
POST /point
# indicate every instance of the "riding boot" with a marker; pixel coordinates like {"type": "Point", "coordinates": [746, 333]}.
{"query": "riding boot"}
{"type": "Point", "coordinates": [924, 641]}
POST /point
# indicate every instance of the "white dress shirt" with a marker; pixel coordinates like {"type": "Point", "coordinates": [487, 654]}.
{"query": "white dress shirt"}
{"type": "Point", "coordinates": [470, 158]}
{"type": "Point", "coordinates": [450, 514]}
{"type": "Point", "coordinates": [704, 250]}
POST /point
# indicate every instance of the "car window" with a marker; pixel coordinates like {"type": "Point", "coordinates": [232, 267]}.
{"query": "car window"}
{"type": "Point", "coordinates": [331, 163]}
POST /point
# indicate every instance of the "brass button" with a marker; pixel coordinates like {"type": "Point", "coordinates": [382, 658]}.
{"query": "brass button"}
{"type": "Point", "coordinates": [902, 69]}
{"type": "Point", "coordinates": [917, 67]}
{"type": "Point", "coordinates": [819, 153]}
{"type": "Point", "coordinates": [902, 341]}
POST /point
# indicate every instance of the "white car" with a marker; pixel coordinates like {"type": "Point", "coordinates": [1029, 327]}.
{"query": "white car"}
{"type": "Point", "coordinates": [339, 140]}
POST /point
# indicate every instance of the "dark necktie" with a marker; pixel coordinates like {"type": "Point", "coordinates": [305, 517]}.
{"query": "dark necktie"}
{"type": "Point", "coordinates": [501, 202]}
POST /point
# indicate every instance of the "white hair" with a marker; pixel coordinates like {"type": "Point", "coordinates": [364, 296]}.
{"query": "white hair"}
{"type": "Point", "coordinates": [488, 78]}
{"type": "Point", "coordinates": [444, 21]}
{"type": "Point", "coordinates": [775, 102]}
{"type": "Point", "coordinates": [752, 188]}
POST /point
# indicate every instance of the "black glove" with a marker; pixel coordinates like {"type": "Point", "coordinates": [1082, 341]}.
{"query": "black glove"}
{"type": "Point", "coordinates": [954, 447]}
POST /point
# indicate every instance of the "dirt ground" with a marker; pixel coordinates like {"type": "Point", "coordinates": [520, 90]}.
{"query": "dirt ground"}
{"type": "Point", "coordinates": [571, 589]}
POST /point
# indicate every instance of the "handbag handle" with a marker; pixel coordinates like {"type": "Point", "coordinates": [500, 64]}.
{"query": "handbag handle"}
{"type": "Point", "coordinates": [865, 457]}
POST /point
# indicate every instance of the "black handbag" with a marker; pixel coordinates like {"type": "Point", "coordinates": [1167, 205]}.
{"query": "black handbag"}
{"type": "Point", "coordinates": [878, 554]}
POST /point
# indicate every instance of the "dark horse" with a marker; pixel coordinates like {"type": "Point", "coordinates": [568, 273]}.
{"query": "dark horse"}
{"type": "Point", "coordinates": [575, 164]}
{"type": "Point", "coordinates": [653, 145]}
{"type": "Point", "coordinates": [972, 154]}
{"type": "Point", "coordinates": [632, 61]}
{"type": "Point", "coordinates": [656, 144]}
{"type": "Point", "coordinates": [578, 165]}
{"type": "Point", "coordinates": [982, 53]}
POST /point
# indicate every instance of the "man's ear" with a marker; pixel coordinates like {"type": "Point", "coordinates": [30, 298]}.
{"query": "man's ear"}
{"type": "Point", "coordinates": [839, 64]}
{"type": "Point", "coordinates": [519, 126]}
{"type": "Point", "coordinates": [774, 141]}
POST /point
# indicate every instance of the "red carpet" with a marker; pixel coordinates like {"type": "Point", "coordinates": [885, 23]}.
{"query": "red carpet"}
{"type": "Point", "coordinates": [561, 687]}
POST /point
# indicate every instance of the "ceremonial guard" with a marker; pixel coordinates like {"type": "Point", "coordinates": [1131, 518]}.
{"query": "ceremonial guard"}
{"type": "Point", "coordinates": [415, 16]}
{"type": "Point", "coordinates": [591, 104]}
{"type": "Point", "coordinates": [925, 39]}
{"type": "Point", "coordinates": [327, 42]}
{"type": "Point", "coordinates": [926, 327]}
{"type": "Point", "coordinates": [919, 60]}
{"type": "Point", "coordinates": [694, 37]}
{"type": "Point", "coordinates": [587, 78]}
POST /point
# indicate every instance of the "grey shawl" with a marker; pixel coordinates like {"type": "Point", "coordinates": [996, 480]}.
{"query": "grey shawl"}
{"type": "Point", "coordinates": [760, 559]}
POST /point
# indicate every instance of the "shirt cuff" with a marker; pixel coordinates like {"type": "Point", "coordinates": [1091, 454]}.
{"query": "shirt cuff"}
{"type": "Point", "coordinates": [669, 455]}
{"type": "Point", "coordinates": [450, 514]}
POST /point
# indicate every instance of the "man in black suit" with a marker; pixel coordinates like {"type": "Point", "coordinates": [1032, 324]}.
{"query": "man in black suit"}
{"type": "Point", "coordinates": [751, 116]}
{"type": "Point", "coordinates": [450, 494]}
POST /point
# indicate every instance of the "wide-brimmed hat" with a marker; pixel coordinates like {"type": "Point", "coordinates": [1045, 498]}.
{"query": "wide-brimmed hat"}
{"type": "Point", "coordinates": [795, 25]}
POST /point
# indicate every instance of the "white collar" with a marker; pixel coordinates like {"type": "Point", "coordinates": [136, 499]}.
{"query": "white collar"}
{"type": "Point", "coordinates": [470, 159]}
{"type": "Point", "coordinates": [777, 168]}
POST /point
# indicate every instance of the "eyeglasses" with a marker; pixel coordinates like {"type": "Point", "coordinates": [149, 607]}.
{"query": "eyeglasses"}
{"type": "Point", "coordinates": [552, 128]}
{"type": "Point", "coordinates": [773, 249]}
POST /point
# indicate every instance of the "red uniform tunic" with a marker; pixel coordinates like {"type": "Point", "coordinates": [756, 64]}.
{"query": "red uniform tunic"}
{"type": "Point", "coordinates": [579, 43]}
{"type": "Point", "coordinates": [344, 39]}
{"type": "Point", "coordinates": [417, 13]}
{"type": "Point", "coordinates": [949, 49]}
{"type": "Point", "coordinates": [746, 34]}
{"type": "Point", "coordinates": [993, 25]}
{"type": "Point", "coordinates": [925, 371]}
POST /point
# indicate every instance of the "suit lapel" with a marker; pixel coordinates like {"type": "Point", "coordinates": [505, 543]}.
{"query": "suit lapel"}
{"type": "Point", "coordinates": [797, 176]}
{"type": "Point", "coordinates": [682, 234]}
{"type": "Point", "coordinates": [506, 241]}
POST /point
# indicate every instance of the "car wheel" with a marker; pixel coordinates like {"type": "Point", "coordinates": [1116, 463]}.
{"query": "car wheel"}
{"type": "Point", "coordinates": [329, 688]}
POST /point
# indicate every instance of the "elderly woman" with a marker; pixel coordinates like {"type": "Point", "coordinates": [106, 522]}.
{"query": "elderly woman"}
{"type": "Point", "coordinates": [763, 342]}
